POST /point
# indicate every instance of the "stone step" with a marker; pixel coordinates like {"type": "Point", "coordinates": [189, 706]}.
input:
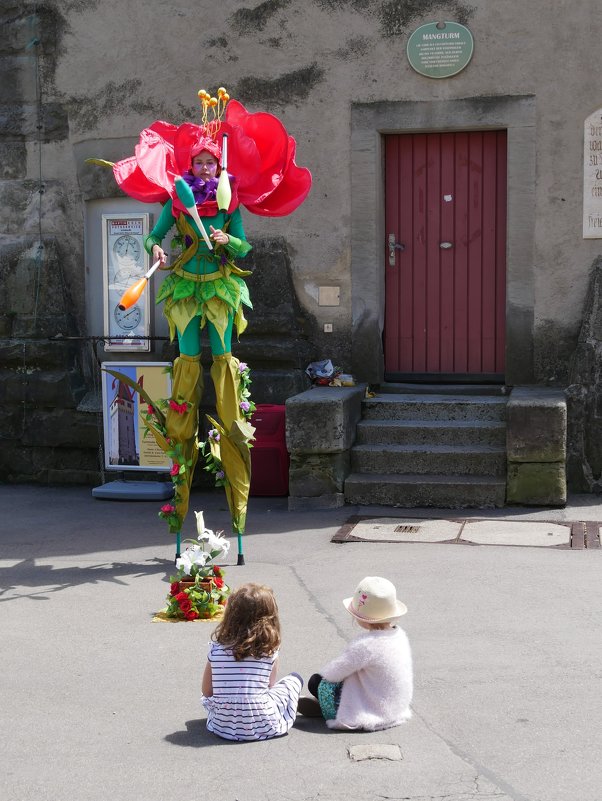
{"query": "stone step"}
{"type": "Point", "coordinates": [445, 492]}
{"type": "Point", "coordinates": [434, 407]}
{"type": "Point", "coordinates": [442, 389]}
{"type": "Point", "coordinates": [420, 432]}
{"type": "Point", "coordinates": [452, 460]}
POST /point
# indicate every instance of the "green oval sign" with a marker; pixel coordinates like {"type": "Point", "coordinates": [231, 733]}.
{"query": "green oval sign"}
{"type": "Point", "coordinates": [440, 49]}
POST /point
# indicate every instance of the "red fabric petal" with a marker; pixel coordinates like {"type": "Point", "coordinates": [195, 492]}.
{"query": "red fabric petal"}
{"type": "Point", "coordinates": [290, 192]}
{"type": "Point", "coordinates": [134, 182]}
{"type": "Point", "coordinates": [155, 155]}
{"type": "Point", "coordinates": [271, 143]}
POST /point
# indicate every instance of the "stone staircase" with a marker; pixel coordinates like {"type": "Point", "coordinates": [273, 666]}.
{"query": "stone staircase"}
{"type": "Point", "coordinates": [430, 445]}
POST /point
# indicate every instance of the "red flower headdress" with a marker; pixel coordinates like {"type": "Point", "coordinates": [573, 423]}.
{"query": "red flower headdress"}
{"type": "Point", "coordinates": [261, 156]}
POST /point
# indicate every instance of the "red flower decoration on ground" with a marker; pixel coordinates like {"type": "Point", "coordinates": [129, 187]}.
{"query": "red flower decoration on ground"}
{"type": "Point", "coordinates": [181, 596]}
{"type": "Point", "coordinates": [175, 588]}
{"type": "Point", "coordinates": [219, 582]}
{"type": "Point", "coordinates": [191, 615]}
{"type": "Point", "coordinates": [185, 606]}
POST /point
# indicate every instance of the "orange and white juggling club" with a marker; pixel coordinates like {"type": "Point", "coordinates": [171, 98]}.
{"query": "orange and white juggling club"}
{"type": "Point", "coordinates": [187, 198]}
{"type": "Point", "coordinates": [224, 191]}
{"type": "Point", "coordinates": [132, 293]}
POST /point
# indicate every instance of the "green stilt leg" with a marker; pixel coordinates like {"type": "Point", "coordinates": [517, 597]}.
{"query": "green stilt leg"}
{"type": "Point", "coordinates": [241, 556]}
{"type": "Point", "coordinates": [178, 554]}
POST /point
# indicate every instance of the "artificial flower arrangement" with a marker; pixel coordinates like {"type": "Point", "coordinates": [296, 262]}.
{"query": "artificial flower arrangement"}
{"type": "Point", "coordinates": [198, 590]}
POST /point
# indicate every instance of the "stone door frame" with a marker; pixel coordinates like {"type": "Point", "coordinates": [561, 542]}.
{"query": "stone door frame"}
{"type": "Point", "coordinates": [369, 122]}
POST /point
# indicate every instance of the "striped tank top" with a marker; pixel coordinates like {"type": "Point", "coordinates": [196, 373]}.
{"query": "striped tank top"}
{"type": "Point", "coordinates": [243, 705]}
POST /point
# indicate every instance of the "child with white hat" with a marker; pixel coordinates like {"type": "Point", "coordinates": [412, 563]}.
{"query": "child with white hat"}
{"type": "Point", "coordinates": [369, 686]}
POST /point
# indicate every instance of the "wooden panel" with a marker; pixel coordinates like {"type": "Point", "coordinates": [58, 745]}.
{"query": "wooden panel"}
{"type": "Point", "coordinates": [461, 255]}
{"type": "Point", "coordinates": [447, 256]}
{"type": "Point", "coordinates": [445, 306]}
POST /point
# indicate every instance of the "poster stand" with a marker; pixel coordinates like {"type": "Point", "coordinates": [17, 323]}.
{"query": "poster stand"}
{"type": "Point", "coordinates": [125, 446]}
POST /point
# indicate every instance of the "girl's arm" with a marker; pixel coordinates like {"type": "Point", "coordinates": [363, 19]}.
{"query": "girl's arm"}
{"type": "Point", "coordinates": [274, 673]}
{"type": "Point", "coordinates": [207, 684]}
{"type": "Point", "coordinates": [237, 242]}
{"type": "Point", "coordinates": [355, 656]}
{"type": "Point", "coordinates": [164, 223]}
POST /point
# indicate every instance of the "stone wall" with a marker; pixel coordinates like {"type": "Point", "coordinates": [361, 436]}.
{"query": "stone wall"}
{"type": "Point", "coordinates": [44, 437]}
{"type": "Point", "coordinates": [584, 393]}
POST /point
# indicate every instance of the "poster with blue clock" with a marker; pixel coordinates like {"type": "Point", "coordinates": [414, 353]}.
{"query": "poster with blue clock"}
{"type": "Point", "coordinates": [125, 261]}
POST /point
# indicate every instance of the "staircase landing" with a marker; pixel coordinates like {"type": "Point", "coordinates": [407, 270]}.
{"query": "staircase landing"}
{"type": "Point", "coordinates": [430, 445]}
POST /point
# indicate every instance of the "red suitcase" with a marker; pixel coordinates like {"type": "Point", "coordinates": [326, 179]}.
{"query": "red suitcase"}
{"type": "Point", "coordinates": [269, 457]}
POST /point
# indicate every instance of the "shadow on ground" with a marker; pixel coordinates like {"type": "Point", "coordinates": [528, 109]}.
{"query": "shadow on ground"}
{"type": "Point", "coordinates": [28, 574]}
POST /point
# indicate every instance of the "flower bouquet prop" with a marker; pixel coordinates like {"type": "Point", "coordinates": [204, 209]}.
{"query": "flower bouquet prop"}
{"type": "Point", "coordinates": [198, 590]}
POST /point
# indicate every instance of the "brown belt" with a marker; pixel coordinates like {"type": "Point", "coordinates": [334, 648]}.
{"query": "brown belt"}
{"type": "Point", "coordinates": [198, 277]}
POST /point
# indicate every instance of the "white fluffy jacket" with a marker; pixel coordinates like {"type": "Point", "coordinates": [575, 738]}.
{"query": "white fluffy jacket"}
{"type": "Point", "coordinates": [376, 671]}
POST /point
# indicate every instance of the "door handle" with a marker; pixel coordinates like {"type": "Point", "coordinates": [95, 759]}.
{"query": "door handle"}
{"type": "Point", "coordinates": [393, 246]}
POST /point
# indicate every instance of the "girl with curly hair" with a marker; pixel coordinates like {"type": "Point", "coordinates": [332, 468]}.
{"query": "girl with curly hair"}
{"type": "Point", "coordinates": [243, 699]}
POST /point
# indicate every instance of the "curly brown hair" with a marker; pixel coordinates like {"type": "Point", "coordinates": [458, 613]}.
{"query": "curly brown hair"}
{"type": "Point", "coordinates": [250, 626]}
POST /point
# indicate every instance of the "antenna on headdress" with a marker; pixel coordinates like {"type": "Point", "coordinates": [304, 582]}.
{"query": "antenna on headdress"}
{"type": "Point", "coordinates": [217, 106]}
{"type": "Point", "coordinates": [213, 109]}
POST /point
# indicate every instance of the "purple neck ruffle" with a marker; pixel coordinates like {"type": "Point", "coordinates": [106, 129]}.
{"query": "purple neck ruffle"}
{"type": "Point", "coordinates": [202, 190]}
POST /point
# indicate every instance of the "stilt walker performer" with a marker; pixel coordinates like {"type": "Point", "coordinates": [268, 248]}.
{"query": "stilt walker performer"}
{"type": "Point", "coordinates": [203, 174]}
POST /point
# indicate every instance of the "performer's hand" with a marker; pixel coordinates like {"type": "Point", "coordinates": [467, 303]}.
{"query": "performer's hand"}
{"type": "Point", "coordinates": [159, 253]}
{"type": "Point", "coordinates": [219, 236]}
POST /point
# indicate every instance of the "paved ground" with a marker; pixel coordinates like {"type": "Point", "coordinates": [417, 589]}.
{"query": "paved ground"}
{"type": "Point", "coordinates": [100, 704]}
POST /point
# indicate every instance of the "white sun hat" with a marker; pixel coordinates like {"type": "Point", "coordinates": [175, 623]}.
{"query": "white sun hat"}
{"type": "Point", "coordinates": [375, 601]}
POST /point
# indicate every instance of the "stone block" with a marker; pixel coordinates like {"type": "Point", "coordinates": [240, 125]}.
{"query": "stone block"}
{"type": "Point", "coordinates": [65, 459]}
{"type": "Point", "coordinates": [21, 119]}
{"type": "Point", "coordinates": [536, 425]}
{"type": "Point", "coordinates": [323, 419]}
{"type": "Point", "coordinates": [20, 202]}
{"type": "Point", "coordinates": [13, 161]}
{"type": "Point", "coordinates": [17, 32]}
{"type": "Point", "coordinates": [22, 84]}
{"type": "Point", "coordinates": [62, 428]}
{"type": "Point", "coordinates": [37, 353]}
{"type": "Point", "coordinates": [536, 484]}
{"type": "Point", "coordinates": [331, 501]}
{"type": "Point", "coordinates": [317, 474]}
{"type": "Point", "coordinates": [17, 463]}
{"type": "Point", "coordinates": [36, 387]}
{"type": "Point", "coordinates": [88, 478]}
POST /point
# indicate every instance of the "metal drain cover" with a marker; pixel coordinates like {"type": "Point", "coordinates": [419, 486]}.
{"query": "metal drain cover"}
{"type": "Point", "coordinates": [512, 532]}
{"type": "Point", "coordinates": [404, 529]}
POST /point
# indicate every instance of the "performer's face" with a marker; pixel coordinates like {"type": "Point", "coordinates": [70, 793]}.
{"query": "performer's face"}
{"type": "Point", "coordinates": [204, 165]}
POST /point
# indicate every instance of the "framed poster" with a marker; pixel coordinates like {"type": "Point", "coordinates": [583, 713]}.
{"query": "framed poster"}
{"type": "Point", "coordinates": [125, 444]}
{"type": "Point", "coordinates": [124, 262]}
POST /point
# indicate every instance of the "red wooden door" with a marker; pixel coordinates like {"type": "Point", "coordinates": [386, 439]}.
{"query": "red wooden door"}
{"type": "Point", "coordinates": [446, 291]}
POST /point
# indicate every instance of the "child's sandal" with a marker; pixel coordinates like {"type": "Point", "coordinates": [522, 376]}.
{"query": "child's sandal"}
{"type": "Point", "coordinates": [309, 707]}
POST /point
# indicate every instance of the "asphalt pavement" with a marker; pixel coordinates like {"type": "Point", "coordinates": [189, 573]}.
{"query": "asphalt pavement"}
{"type": "Point", "coordinates": [99, 703]}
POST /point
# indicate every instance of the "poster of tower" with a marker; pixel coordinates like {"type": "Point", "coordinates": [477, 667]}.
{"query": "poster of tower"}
{"type": "Point", "coordinates": [126, 444]}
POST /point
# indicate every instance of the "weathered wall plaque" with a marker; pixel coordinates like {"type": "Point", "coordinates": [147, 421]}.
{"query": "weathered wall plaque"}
{"type": "Point", "coordinates": [440, 49]}
{"type": "Point", "coordinates": [592, 176]}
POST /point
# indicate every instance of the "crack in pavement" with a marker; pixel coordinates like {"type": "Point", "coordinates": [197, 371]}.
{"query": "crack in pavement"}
{"type": "Point", "coordinates": [319, 608]}
{"type": "Point", "coordinates": [481, 770]}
